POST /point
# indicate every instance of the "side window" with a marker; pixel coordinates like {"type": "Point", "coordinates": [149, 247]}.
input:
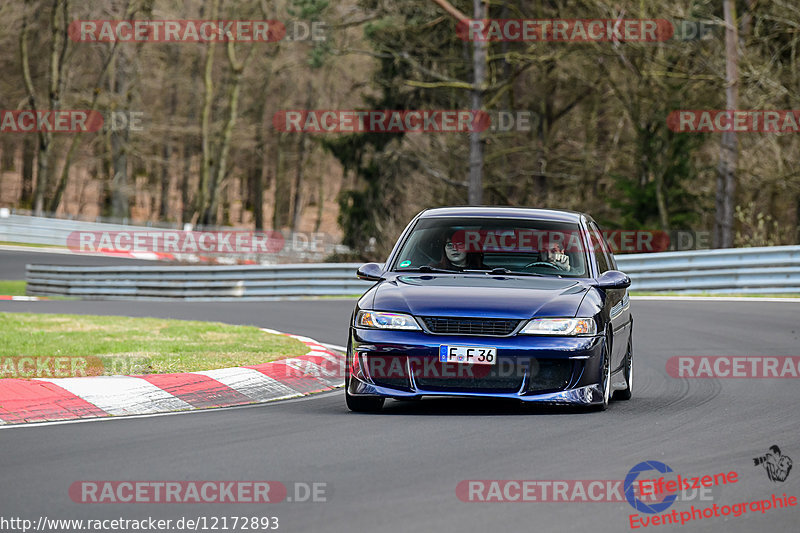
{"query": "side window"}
{"type": "Point", "coordinates": [600, 248]}
{"type": "Point", "coordinates": [612, 262]}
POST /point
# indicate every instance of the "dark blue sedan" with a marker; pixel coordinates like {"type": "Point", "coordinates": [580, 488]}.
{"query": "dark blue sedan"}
{"type": "Point", "coordinates": [493, 302]}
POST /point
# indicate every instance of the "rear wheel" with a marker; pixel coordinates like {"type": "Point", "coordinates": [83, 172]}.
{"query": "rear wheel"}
{"type": "Point", "coordinates": [625, 394]}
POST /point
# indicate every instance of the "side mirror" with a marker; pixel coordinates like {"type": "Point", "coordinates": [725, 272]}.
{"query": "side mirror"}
{"type": "Point", "coordinates": [612, 279]}
{"type": "Point", "coordinates": [370, 272]}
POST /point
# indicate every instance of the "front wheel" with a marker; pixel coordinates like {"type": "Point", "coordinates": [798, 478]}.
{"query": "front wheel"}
{"type": "Point", "coordinates": [606, 381]}
{"type": "Point", "coordinates": [625, 394]}
{"type": "Point", "coordinates": [359, 404]}
{"type": "Point", "coordinates": [363, 404]}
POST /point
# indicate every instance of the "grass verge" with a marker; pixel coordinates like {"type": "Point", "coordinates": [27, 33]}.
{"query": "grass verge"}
{"type": "Point", "coordinates": [17, 288]}
{"type": "Point", "coordinates": [123, 345]}
{"type": "Point", "coordinates": [31, 245]}
{"type": "Point", "coordinates": [12, 287]}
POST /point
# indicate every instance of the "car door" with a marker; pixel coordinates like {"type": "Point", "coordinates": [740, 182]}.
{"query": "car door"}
{"type": "Point", "coordinates": [618, 299]}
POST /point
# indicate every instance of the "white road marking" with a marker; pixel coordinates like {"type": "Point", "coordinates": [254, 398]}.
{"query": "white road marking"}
{"type": "Point", "coordinates": [121, 395]}
{"type": "Point", "coordinates": [298, 398]}
{"type": "Point", "coordinates": [717, 298]}
{"type": "Point", "coordinates": [335, 347]}
{"type": "Point", "coordinates": [251, 383]}
{"type": "Point", "coordinates": [312, 370]}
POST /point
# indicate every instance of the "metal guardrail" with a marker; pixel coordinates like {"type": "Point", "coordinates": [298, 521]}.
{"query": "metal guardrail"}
{"type": "Point", "coordinates": [195, 282]}
{"type": "Point", "coordinates": [774, 269]}
{"type": "Point", "coordinates": [741, 270]}
{"type": "Point", "coordinates": [297, 247]}
{"type": "Point", "coordinates": [53, 231]}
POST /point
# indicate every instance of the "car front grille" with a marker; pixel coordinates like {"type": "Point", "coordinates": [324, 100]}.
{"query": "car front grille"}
{"type": "Point", "coordinates": [432, 375]}
{"type": "Point", "coordinates": [496, 327]}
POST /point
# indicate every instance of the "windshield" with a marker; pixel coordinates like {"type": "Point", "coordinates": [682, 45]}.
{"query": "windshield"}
{"type": "Point", "coordinates": [512, 246]}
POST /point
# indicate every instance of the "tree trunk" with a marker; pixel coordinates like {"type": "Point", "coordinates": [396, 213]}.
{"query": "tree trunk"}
{"type": "Point", "coordinates": [320, 202]}
{"type": "Point", "coordinates": [187, 211]}
{"type": "Point", "coordinates": [57, 52]}
{"type": "Point", "coordinates": [28, 161]}
{"type": "Point", "coordinates": [166, 155]}
{"type": "Point", "coordinates": [258, 193]}
{"type": "Point", "coordinates": [479, 51]}
{"type": "Point", "coordinates": [54, 89]}
{"type": "Point", "coordinates": [208, 165]}
{"type": "Point", "coordinates": [283, 190]}
{"type": "Point", "coordinates": [217, 180]}
{"type": "Point", "coordinates": [8, 153]}
{"type": "Point", "coordinates": [728, 158]}
{"type": "Point", "coordinates": [120, 183]}
{"type": "Point", "coordinates": [661, 201]}
{"type": "Point", "coordinates": [256, 176]}
{"type": "Point", "coordinates": [191, 147]}
{"type": "Point", "coordinates": [297, 205]}
{"type": "Point", "coordinates": [120, 201]}
{"type": "Point", "coordinates": [55, 201]}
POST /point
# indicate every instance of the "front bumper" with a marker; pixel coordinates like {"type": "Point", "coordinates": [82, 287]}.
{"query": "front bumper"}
{"type": "Point", "coordinates": [405, 364]}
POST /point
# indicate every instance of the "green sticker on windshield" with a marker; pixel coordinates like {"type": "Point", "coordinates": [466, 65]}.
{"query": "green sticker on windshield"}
{"type": "Point", "coordinates": [405, 264]}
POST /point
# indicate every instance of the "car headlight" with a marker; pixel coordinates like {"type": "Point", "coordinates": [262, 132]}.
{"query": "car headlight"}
{"type": "Point", "coordinates": [382, 320]}
{"type": "Point", "coordinates": [560, 326]}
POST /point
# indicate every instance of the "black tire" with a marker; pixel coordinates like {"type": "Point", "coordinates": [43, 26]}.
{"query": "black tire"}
{"type": "Point", "coordinates": [626, 393]}
{"type": "Point", "coordinates": [363, 404]}
{"type": "Point", "coordinates": [359, 404]}
{"type": "Point", "coordinates": [606, 383]}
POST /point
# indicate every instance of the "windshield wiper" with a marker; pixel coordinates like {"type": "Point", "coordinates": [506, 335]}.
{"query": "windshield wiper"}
{"type": "Point", "coordinates": [501, 270]}
{"type": "Point", "coordinates": [426, 268]}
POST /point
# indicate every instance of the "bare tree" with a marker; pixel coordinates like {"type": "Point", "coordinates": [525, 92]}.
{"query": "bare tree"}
{"type": "Point", "coordinates": [728, 157]}
{"type": "Point", "coordinates": [59, 21]}
{"type": "Point", "coordinates": [215, 158]}
{"type": "Point", "coordinates": [479, 55]}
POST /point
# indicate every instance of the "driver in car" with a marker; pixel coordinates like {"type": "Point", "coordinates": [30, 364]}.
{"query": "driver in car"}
{"type": "Point", "coordinates": [554, 254]}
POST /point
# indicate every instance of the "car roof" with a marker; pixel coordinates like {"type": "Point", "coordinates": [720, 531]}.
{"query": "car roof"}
{"type": "Point", "coordinates": [556, 215]}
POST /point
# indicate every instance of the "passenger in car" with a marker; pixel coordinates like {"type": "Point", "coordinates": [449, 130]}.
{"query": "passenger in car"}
{"type": "Point", "coordinates": [456, 257]}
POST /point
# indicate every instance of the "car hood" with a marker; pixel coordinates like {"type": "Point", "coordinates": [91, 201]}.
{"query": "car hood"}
{"type": "Point", "coordinates": [479, 295]}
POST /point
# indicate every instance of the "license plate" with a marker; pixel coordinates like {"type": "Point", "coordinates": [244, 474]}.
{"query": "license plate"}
{"type": "Point", "coordinates": [475, 355]}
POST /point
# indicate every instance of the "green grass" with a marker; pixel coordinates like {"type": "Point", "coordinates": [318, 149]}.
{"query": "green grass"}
{"type": "Point", "coordinates": [139, 345]}
{"type": "Point", "coordinates": [17, 288]}
{"type": "Point", "coordinates": [12, 287]}
{"type": "Point", "coordinates": [784, 295]}
{"type": "Point", "coordinates": [31, 244]}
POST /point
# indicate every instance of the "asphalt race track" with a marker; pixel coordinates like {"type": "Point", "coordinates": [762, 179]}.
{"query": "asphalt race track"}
{"type": "Point", "coordinates": [12, 263]}
{"type": "Point", "coordinates": [398, 471]}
